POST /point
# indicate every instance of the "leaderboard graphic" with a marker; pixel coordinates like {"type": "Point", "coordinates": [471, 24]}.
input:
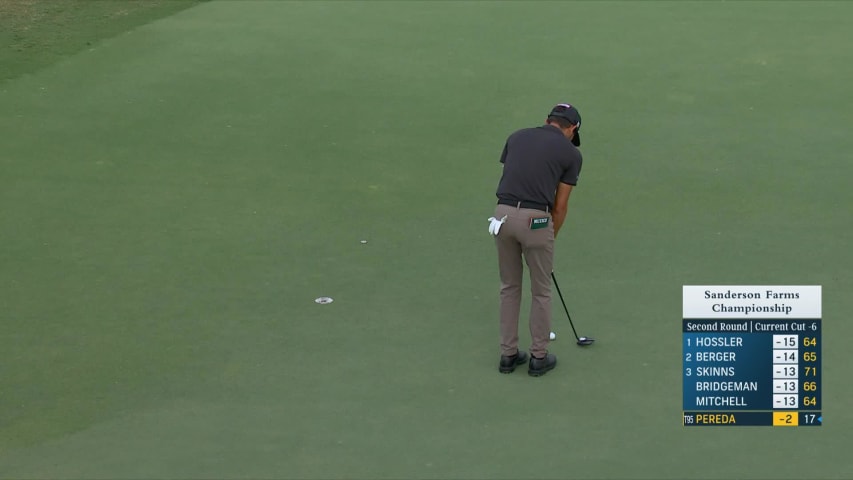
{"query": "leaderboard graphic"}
{"type": "Point", "coordinates": [751, 355]}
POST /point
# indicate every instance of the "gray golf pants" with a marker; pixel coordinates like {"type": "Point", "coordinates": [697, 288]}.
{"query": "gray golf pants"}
{"type": "Point", "coordinates": [516, 240]}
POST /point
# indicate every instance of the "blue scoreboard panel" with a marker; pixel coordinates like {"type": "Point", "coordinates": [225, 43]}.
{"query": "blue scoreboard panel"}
{"type": "Point", "coordinates": [751, 356]}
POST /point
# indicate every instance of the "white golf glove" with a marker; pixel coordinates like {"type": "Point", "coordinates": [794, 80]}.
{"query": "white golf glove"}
{"type": "Point", "coordinates": [495, 224]}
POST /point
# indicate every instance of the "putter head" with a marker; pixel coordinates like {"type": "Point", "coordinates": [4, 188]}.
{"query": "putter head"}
{"type": "Point", "coordinates": [585, 341]}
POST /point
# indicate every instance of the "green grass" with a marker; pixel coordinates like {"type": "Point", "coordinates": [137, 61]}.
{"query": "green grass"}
{"type": "Point", "coordinates": [37, 33]}
{"type": "Point", "coordinates": [173, 200]}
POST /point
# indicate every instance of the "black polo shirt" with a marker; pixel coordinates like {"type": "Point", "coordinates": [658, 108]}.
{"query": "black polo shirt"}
{"type": "Point", "coordinates": [535, 161]}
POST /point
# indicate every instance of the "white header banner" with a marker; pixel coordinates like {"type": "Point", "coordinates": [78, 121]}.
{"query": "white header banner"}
{"type": "Point", "coordinates": [751, 301]}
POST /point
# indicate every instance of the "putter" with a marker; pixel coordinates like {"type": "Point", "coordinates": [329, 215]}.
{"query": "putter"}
{"type": "Point", "coordinates": [582, 341]}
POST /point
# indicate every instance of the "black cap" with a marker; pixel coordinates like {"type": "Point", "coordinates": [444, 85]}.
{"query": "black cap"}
{"type": "Point", "coordinates": [570, 113]}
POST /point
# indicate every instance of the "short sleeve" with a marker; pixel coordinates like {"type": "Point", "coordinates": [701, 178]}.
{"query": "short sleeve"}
{"type": "Point", "coordinates": [573, 170]}
{"type": "Point", "coordinates": [503, 155]}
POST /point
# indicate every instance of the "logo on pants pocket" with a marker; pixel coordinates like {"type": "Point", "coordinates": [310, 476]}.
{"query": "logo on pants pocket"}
{"type": "Point", "coordinates": [539, 222]}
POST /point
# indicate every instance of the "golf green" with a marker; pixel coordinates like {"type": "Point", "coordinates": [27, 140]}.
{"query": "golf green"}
{"type": "Point", "coordinates": [174, 197]}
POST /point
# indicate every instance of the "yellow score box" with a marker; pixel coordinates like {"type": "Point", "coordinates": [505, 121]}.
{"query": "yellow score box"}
{"type": "Point", "coordinates": [786, 419]}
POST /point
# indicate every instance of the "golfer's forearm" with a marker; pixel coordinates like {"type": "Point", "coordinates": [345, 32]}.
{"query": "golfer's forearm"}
{"type": "Point", "coordinates": [559, 217]}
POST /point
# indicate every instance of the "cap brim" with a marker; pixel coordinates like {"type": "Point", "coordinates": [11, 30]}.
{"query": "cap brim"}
{"type": "Point", "coordinates": [576, 139]}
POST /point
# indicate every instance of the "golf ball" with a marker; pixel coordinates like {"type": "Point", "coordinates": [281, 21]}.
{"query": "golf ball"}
{"type": "Point", "coordinates": [553, 336]}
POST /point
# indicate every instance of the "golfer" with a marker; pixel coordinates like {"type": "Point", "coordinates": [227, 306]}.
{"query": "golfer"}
{"type": "Point", "coordinates": [540, 167]}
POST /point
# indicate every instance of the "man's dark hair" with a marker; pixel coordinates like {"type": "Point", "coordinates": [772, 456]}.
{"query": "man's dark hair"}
{"type": "Point", "coordinates": [560, 121]}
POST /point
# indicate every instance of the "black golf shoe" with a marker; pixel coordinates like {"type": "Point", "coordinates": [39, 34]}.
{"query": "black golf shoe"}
{"type": "Point", "coordinates": [509, 362]}
{"type": "Point", "coordinates": [540, 366]}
